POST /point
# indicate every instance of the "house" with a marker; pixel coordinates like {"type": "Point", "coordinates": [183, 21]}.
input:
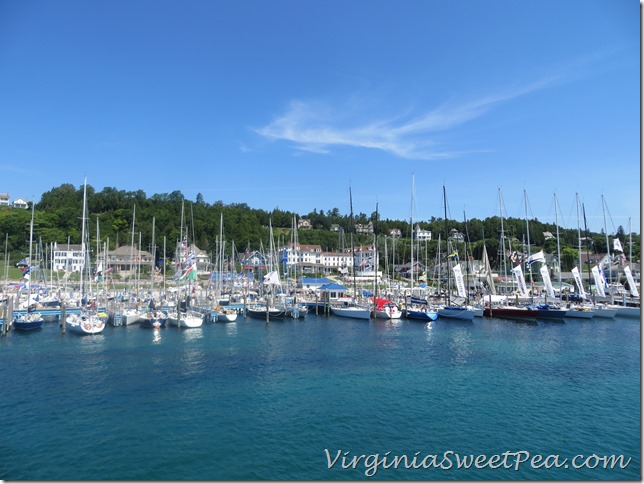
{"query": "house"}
{"type": "Point", "coordinates": [304, 224]}
{"type": "Point", "coordinates": [4, 199]}
{"type": "Point", "coordinates": [312, 283]}
{"type": "Point", "coordinates": [364, 229]}
{"type": "Point", "coordinates": [68, 257]}
{"type": "Point", "coordinates": [335, 228]}
{"type": "Point", "coordinates": [397, 233]}
{"type": "Point", "coordinates": [456, 236]}
{"type": "Point", "coordinates": [253, 260]}
{"type": "Point", "coordinates": [421, 234]}
{"type": "Point", "coordinates": [193, 253]}
{"type": "Point", "coordinates": [332, 291]}
{"type": "Point", "coordinates": [20, 203]}
{"type": "Point", "coordinates": [126, 260]}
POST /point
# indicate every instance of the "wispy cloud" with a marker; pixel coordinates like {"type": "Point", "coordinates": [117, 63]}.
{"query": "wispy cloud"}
{"type": "Point", "coordinates": [317, 128]}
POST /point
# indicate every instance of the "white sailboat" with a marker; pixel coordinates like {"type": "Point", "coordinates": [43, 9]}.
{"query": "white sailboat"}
{"type": "Point", "coordinates": [182, 316]}
{"type": "Point", "coordinates": [86, 321]}
{"type": "Point", "coordinates": [347, 307]}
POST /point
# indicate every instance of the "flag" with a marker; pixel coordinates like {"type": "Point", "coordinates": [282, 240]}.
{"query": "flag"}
{"type": "Point", "coordinates": [538, 257]}
{"type": "Point", "coordinates": [98, 276]}
{"type": "Point", "coordinates": [580, 285]}
{"type": "Point", "coordinates": [23, 262]}
{"type": "Point", "coordinates": [272, 278]}
{"type": "Point", "coordinates": [550, 292]}
{"type": "Point", "coordinates": [631, 282]}
{"type": "Point", "coordinates": [599, 281]}
{"type": "Point", "coordinates": [518, 275]}
{"type": "Point", "coordinates": [458, 277]}
{"type": "Point", "coordinates": [617, 245]}
{"type": "Point", "coordinates": [190, 259]}
{"type": "Point", "coordinates": [189, 274]}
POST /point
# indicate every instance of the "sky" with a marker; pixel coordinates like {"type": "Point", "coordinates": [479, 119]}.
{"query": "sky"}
{"type": "Point", "coordinates": [304, 105]}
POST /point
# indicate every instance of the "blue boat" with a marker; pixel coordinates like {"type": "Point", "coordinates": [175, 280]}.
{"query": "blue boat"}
{"type": "Point", "coordinates": [546, 311]}
{"type": "Point", "coordinates": [28, 321]}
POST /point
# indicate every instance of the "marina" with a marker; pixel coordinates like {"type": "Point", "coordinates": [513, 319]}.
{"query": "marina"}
{"type": "Point", "coordinates": [248, 400]}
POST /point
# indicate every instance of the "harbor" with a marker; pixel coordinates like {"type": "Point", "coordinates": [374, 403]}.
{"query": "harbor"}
{"type": "Point", "coordinates": [253, 401]}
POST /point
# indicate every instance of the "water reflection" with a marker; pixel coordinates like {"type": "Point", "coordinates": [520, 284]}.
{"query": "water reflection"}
{"type": "Point", "coordinates": [231, 329]}
{"type": "Point", "coordinates": [461, 347]}
{"type": "Point", "coordinates": [156, 336]}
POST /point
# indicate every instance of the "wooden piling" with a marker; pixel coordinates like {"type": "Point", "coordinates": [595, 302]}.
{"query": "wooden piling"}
{"type": "Point", "coordinates": [9, 319]}
{"type": "Point", "coordinates": [63, 317]}
{"type": "Point", "coordinates": [267, 311]}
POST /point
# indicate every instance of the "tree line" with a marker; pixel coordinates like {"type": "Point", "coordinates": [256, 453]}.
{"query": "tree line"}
{"type": "Point", "coordinates": [113, 215]}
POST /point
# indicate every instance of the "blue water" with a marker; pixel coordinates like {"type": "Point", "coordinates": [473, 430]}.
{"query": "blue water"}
{"type": "Point", "coordinates": [248, 401]}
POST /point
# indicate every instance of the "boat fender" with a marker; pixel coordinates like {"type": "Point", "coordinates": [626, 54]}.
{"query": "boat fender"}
{"type": "Point", "coordinates": [87, 326]}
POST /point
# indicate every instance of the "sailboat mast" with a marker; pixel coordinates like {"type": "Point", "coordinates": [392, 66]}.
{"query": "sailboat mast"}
{"type": "Point", "coordinates": [411, 225]}
{"type": "Point", "coordinates": [29, 266]}
{"type": "Point", "coordinates": [503, 262]}
{"type": "Point", "coordinates": [527, 228]}
{"type": "Point", "coordinates": [375, 261]}
{"type": "Point", "coordinates": [558, 244]}
{"type": "Point", "coordinates": [353, 250]}
{"type": "Point", "coordinates": [82, 287]}
{"type": "Point", "coordinates": [449, 275]}
{"type": "Point", "coordinates": [587, 250]}
{"type": "Point", "coordinates": [578, 232]}
{"type": "Point", "coordinates": [610, 265]}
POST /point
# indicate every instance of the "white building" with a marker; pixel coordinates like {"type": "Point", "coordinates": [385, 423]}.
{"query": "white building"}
{"type": "Point", "coordinates": [68, 257]}
{"type": "Point", "coordinates": [422, 234]}
{"type": "Point", "coordinates": [20, 203]}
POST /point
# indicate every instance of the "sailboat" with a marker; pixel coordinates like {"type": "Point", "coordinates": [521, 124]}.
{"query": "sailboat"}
{"type": "Point", "coordinates": [183, 316]}
{"type": "Point", "coordinates": [86, 321]}
{"type": "Point", "coordinates": [620, 310]}
{"type": "Point", "coordinates": [577, 310]}
{"type": "Point", "coordinates": [347, 307]}
{"type": "Point", "coordinates": [417, 308]}
{"type": "Point", "coordinates": [448, 310]}
{"type": "Point", "coordinates": [29, 320]}
{"type": "Point", "coordinates": [222, 313]}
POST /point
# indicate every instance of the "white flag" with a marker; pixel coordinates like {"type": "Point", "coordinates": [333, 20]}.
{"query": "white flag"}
{"type": "Point", "coordinates": [631, 282]}
{"type": "Point", "coordinates": [458, 277]}
{"type": "Point", "coordinates": [518, 274]}
{"type": "Point", "coordinates": [599, 281]}
{"type": "Point", "coordinates": [538, 257]}
{"type": "Point", "coordinates": [580, 285]}
{"type": "Point", "coordinates": [617, 245]}
{"type": "Point", "coordinates": [546, 281]}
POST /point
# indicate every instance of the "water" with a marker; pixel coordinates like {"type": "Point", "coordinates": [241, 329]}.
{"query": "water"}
{"type": "Point", "coordinates": [249, 401]}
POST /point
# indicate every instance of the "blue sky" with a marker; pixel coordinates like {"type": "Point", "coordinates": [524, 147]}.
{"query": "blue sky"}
{"type": "Point", "coordinates": [286, 104]}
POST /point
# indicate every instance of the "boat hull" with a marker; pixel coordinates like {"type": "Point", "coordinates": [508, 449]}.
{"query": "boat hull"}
{"type": "Point", "coordinates": [184, 320]}
{"type": "Point", "coordinates": [513, 313]}
{"type": "Point", "coordinates": [260, 313]}
{"type": "Point", "coordinates": [351, 312]}
{"type": "Point", "coordinates": [28, 322]}
{"type": "Point", "coordinates": [456, 312]}
{"type": "Point", "coordinates": [421, 315]}
{"type": "Point", "coordinates": [84, 324]}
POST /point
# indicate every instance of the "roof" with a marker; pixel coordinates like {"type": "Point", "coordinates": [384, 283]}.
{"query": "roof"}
{"type": "Point", "coordinates": [332, 286]}
{"type": "Point", "coordinates": [315, 280]}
